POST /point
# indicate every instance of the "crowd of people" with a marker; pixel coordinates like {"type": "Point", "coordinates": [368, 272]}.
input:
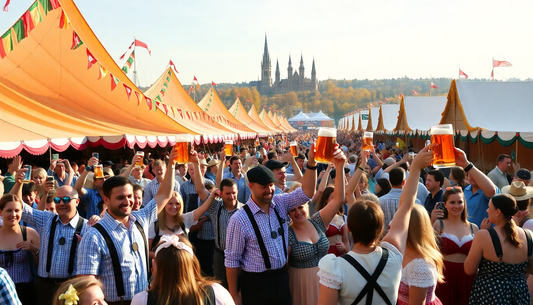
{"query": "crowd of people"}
{"type": "Point", "coordinates": [261, 225]}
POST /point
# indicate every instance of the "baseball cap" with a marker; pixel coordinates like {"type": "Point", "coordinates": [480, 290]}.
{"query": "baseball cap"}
{"type": "Point", "coordinates": [523, 174]}
{"type": "Point", "coordinates": [261, 175]}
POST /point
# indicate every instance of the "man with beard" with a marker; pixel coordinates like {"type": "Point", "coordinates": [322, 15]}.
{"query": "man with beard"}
{"type": "Point", "coordinates": [116, 251]}
{"type": "Point", "coordinates": [257, 238]}
{"type": "Point", "coordinates": [220, 213]}
{"type": "Point", "coordinates": [59, 233]}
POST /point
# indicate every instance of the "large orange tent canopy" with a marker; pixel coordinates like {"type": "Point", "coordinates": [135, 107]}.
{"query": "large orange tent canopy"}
{"type": "Point", "coordinates": [177, 104]}
{"type": "Point", "coordinates": [59, 87]}
{"type": "Point", "coordinates": [239, 112]}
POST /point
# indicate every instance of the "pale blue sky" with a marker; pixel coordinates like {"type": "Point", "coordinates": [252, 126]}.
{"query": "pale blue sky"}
{"type": "Point", "coordinates": [222, 41]}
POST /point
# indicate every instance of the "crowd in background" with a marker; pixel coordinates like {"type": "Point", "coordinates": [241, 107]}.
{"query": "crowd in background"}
{"type": "Point", "coordinates": [260, 225]}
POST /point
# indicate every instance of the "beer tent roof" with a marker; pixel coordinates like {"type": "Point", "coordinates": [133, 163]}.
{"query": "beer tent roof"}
{"type": "Point", "coordinates": [354, 122]}
{"type": "Point", "coordinates": [299, 117]}
{"type": "Point", "coordinates": [255, 116]}
{"type": "Point", "coordinates": [388, 116]}
{"type": "Point", "coordinates": [498, 109]}
{"type": "Point", "coordinates": [267, 121]}
{"type": "Point", "coordinates": [180, 106]}
{"type": "Point", "coordinates": [363, 119]}
{"type": "Point", "coordinates": [420, 113]}
{"type": "Point", "coordinates": [239, 112]}
{"type": "Point", "coordinates": [213, 106]}
{"type": "Point", "coordinates": [276, 121]}
{"type": "Point", "coordinates": [373, 118]}
{"type": "Point", "coordinates": [51, 94]}
{"type": "Point", "coordinates": [286, 122]}
{"type": "Point", "coordinates": [320, 116]}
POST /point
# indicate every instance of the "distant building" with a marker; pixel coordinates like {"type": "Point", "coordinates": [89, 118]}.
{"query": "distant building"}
{"type": "Point", "coordinates": [295, 82]}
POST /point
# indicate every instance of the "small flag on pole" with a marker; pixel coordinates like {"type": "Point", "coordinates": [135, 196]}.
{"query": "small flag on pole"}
{"type": "Point", "coordinates": [501, 63]}
{"type": "Point", "coordinates": [129, 62]}
{"type": "Point", "coordinates": [141, 44]}
{"type": "Point", "coordinates": [173, 66]}
{"type": "Point", "coordinates": [434, 86]}
{"type": "Point", "coordinates": [213, 83]}
{"type": "Point", "coordinates": [414, 92]}
{"type": "Point", "coordinates": [461, 73]}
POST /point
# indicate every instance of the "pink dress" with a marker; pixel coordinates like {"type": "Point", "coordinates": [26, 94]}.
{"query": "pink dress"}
{"type": "Point", "coordinates": [418, 273]}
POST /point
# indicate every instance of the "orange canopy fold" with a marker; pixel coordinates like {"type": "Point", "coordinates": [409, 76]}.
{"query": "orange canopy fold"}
{"type": "Point", "coordinates": [239, 112]}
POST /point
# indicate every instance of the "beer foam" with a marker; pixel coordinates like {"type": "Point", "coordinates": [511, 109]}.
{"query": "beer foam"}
{"type": "Point", "coordinates": [293, 143]}
{"type": "Point", "coordinates": [327, 132]}
{"type": "Point", "coordinates": [441, 129]}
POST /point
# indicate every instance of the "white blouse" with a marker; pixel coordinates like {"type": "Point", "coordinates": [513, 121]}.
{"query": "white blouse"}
{"type": "Point", "coordinates": [419, 273]}
{"type": "Point", "coordinates": [222, 296]}
{"type": "Point", "coordinates": [188, 221]}
{"type": "Point", "coordinates": [337, 273]}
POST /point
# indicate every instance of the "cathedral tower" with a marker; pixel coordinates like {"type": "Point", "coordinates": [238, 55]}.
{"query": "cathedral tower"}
{"type": "Point", "coordinates": [302, 70]}
{"type": "Point", "coordinates": [266, 68]}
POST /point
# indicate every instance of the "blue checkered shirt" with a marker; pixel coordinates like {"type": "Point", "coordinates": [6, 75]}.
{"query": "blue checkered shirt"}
{"type": "Point", "coordinates": [244, 191]}
{"type": "Point", "coordinates": [42, 222]}
{"type": "Point", "coordinates": [60, 182]}
{"type": "Point", "coordinates": [8, 293]}
{"type": "Point", "coordinates": [151, 189]}
{"type": "Point", "coordinates": [242, 248]}
{"type": "Point", "coordinates": [389, 204]}
{"type": "Point", "coordinates": [96, 260]}
{"type": "Point", "coordinates": [225, 216]}
{"type": "Point", "coordinates": [206, 232]}
{"type": "Point", "coordinates": [92, 198]}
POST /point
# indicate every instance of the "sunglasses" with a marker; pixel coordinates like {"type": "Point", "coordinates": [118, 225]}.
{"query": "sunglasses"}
{"type": "Point", "coordinates": [449, 188]}
{"type": "Point", "coordinates": [66, 200]}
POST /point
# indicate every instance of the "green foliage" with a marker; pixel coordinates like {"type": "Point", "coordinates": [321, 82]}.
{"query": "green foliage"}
{"type": "Point", "coordinates": [335, 97]}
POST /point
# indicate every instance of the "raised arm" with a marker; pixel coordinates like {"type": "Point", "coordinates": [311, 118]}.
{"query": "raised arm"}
{"type": "Point", "coordinates": [378, 162]}
{"type": "Point", "coordinates": [325, 178]}
{"type": "Point", "coordinates": [397, 234]}
{"type": "Point", "coordinates": [287, 157]}
{"type": "Point", "coordinates": [17, 187]}
{"type": "Point", "coordinates": [483, 182]}
{"type": "Point", "coordinates": [397, 164]}
{"type": "Point", "coordinates": [200, 211]}
{"type": "Point", "coordinates": [354, 181]}
{"type": "Point", "coordinates": [203, 193]}
{"type": "Point", "coordinates": [167, 185]}
{"type": "Point", "coordinates": [48, 186]}
{"type": "Point", "coordinates": [329, 211]}
{"type": "Point", "coordinates": [127, 172]}
{"type": "Point", "coordinates": [70, 172]}
{"type": "Point", "coordinates": [309, 179]}
{"type": "Point", "coordinates": [220, 171]}
{"type": "Point", "coordinates": [83, 177]}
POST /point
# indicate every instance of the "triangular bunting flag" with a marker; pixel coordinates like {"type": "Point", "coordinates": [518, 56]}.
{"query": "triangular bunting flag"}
{"type": "Point", "coordinates": [158, 98]}
{"type": "Point", "coordinates": [128, 90]}
{"type": "Point", "coordinates": [165, 85]}
{"type": "Point", "coordinates": [138, 97]}
{"type": "Point", "coordinates": [188, 114]}
{"type": "Point", "coordinates": [63, 21]}
{"type": "Point", "coordinates": [158, 104]}
{"type": "Point", "coordinates": [166, 109]}
{"type": "Point", "coordinates": [76, 41]}
{"type": "Point", "coordinates": [148, 102]}
{"type": "Point", "coordinates": [173, 113]}
{"type": "Point", "coordinates": [154, 108]}
{"type": "Point", "coordinates": [90, 59]}
{"type": "Point", "coordinates": [102, 72]}
{"type": "Point", "coordinates": [28, 23]}
{"type": "Point", "coordinates": [114, 81]}
{"type": "Point", "coordinates": [181, 114]}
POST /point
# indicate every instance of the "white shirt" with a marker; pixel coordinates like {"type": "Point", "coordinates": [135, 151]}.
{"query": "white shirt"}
{"type": "Point", "coordinates": [222, 296]}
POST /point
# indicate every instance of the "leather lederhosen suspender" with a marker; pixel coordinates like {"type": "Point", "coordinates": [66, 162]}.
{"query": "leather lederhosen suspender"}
{"type": "Point", "coordinates": [371, 284]}
{"type": "Point", "coordinates": [119, 281]}
{"type": "Point", "coordinates": [260, 241]}
{"type": "Point", "coordinates": [73, 246]}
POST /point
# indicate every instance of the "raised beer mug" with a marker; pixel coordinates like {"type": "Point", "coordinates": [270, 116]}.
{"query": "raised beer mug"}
{"type": "Point", "coordinates": [444, 152]}
{"type": "Point", "coordinates": [324, 145]}
{"type": "Point", "coordinates": [228, 147]}
{"type": "Point", "coordinates": [368, 139]}
{"type": "Point", "coordinates": [183, 147]}
{"type": "Point", "coordinates": [294, 148]}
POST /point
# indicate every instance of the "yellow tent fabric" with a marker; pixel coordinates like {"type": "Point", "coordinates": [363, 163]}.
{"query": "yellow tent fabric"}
{"type": "Point", "coordinates": [267, 121]}
{"type": "Point", "coordinates": [239, 112]}
{"type": "Point", "coordinates": [402, 125]}
{"type": "Point", "coordinates": [287, 124]}
{"type": "Point", "coordinates": [48, 90]}
{"type": "Point", "coordinates": [454, 113]}
{"type": "Point", "coordinates": [213, 106]}
{"type": "Point", "coordinates": [277, 122]}
{"type": "Point", "coordinates": [182, 107]}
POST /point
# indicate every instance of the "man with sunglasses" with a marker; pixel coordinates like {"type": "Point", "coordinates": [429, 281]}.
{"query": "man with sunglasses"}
{"type": "Point", "coordinates": [59, 236]}
{"type": "Point", "coordinates": [115, 249]}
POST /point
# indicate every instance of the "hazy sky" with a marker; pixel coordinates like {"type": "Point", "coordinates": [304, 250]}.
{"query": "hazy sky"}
{"type": "Point", "coordinates": [222, 41]}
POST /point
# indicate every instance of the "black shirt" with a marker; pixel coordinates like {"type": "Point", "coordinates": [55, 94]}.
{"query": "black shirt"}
{"type": "Point", "coordinates": [430, 202]}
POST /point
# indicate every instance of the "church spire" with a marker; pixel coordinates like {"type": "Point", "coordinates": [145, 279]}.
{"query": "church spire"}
{"type": "Point", "coordinates": [278, 77]}
{"type": "Point", "coordinates": [313, 73]}
{"type": "Point", "coordinates": [266, 67]}
{"type": "Point", "coordinates": [266, 55]}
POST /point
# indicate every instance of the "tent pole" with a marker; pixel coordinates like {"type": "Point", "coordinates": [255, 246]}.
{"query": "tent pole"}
{"type": "Point", "coordinates": [516, 152]}
{"type": "Point", "coordinates": [134, 64]}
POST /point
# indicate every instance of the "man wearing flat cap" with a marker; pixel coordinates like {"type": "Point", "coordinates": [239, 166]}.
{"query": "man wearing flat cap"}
{"type": "Point", "coordinates": [257, 238]}
{"type": "Point", "coordinates": [280, 172]}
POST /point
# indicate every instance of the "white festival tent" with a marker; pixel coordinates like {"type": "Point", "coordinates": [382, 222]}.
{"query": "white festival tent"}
{"type": "Point", "coordinates": [388, 118]}
{"type": "Point", "coordinates": [320, 116]}
{"type": "Point", "coordinates": [423, 112]}
{"type": "Point", "coordinates": [299, 117]}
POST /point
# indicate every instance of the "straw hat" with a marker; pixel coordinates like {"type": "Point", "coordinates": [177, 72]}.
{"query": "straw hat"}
{"type": "Point", "coordinates": [213, 162]}
{"type": "Point", "coordinates": [518, 190]}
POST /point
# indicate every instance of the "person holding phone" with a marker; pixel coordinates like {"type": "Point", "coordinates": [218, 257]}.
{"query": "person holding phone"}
{"type": "Point", "coordinates": [456, 234]}
{"type": "Point", "coordinates": [62, 172]}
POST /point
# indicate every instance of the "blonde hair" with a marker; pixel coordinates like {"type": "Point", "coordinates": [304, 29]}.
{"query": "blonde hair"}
{"type": "Point", "coordinates": [421, 238]}
{"type": "Point", "coordinates": [79, 283]}
{"type": "Point", "coordinates": [293, 187]}
{"type": "Point", "coordinates": [178, 278]}
{"type": "Point", "coordinates": [162, 216]}
{"type": "Point", "coordinates": [41, 172]}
